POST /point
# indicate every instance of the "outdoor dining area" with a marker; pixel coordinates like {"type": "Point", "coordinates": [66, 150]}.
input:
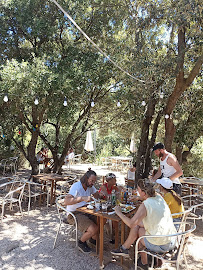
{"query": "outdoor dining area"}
{"type": "Point", "coordinates": [101, 142]}
{"type": "Point", "coordinates": [48, 191]}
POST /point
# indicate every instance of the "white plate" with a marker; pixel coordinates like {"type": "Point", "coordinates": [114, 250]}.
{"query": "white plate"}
{"type": "Point", "coordinates": [125, 209]}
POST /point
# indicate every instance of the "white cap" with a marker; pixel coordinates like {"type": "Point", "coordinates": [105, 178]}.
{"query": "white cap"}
{"type": "Point", "coordinates": [165, 182]}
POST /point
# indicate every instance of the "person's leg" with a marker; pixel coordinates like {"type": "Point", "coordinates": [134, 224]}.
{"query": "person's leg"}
{"type": "Point", "coordinates": [123, 249]}
{"type": "Point", "coordinates": [132, 237]}
{"type": "Point", "coordinates": [91, 231]}
{"type": "Point", "coordinates": [141, 232]}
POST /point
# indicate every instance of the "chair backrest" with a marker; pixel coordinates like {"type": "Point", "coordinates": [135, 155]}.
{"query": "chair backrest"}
{"type": "Point", "coordinates": [61, 206]}
{"type": "Point", "coordinates": [174, 255]}
{"type": "Point", "coordinates": [17, 189]}
{"type": "Point", "coordinates": [184, 215]}
{"type": "Point", "coordinates": [195, 202]}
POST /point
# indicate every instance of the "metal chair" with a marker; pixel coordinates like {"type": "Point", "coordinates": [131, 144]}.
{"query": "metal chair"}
{"type": "Point", "coordinates": [14, 195]}
{"type": "Point", "coordinates": [13, 164]}
{"type": "Point", "coordinates": [195, 202]}
{"type": "Point", "coordinates": [61, 210]}
{"type": "Point", "coordinates": [34, 190]}
{"type": "Point", "coordinates": [3, 165]}
{"type": "Point", "coordinates": [67, 184]}
{"type": "Point", "coordinates": [173, 256]}
{"type": "Point", "coordinates": [77, 159]}
{"type": "Point", "coordinates": [184, 215]}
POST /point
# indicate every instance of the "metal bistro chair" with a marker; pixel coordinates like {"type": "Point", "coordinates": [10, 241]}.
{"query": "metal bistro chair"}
{"type": "Point", "coordinates": [174, 256]}
{"type": "Point", "coordinates": [184, 215]}
{"type": "Point", "coordinates": [3, 165]}
{"type": "Point", "coordinates": [67, 184]}
{"type": "Point", "coordinates": [34, 190]}
{"type": "Point", "coordinates": [195, 202]}
{"type": "Point", "coordinates": [61, 211]}
{"type": "Point", "coordinates": [14, 195]}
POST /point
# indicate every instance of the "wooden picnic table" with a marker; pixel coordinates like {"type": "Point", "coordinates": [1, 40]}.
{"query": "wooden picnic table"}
{"type": "Point", "coordinates": [101, 216]}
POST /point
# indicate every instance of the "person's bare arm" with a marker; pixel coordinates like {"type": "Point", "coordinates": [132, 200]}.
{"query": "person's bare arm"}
{"type": "Point", "coordinates": [172, 161]}
{"type": "Point", "coordinates": [157, 175]}
{"type": "Point", "coordinates": [136, 219]}
{"type": "Point", "coordinates": [98, 195]}
{"type": "Point", "coordinates": [70, 199]}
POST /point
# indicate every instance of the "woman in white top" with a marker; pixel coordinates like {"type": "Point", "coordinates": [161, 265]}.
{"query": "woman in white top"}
{"type": "Point", "coordinates": [131, 172]}
{"type": "Point", "coordinates": [131, 176]}
{"type": "Point", "coordinates": [153, 217]}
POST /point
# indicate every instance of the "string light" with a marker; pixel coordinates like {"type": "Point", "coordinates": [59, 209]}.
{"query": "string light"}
{"type": "Point", "coordinates": [6, 98]}
{"type": "Point", "coordinates": [65, 102]}
{"type": "Point", "coordinates": [118, 104]}
{"type": "Point", "coordinates": [143, 103]}
{"type": "Point", "coordinates": [92, 103]}
{"type": "Point", "coordinates": [167, 116]}
{"type": "Point", "coordinates": [161, 95]}
{"type": "Point", "coordinates": [36, 101]}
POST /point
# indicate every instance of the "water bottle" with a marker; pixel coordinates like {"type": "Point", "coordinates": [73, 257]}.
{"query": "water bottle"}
{"type": "Point", "coordinates": [113, 197]}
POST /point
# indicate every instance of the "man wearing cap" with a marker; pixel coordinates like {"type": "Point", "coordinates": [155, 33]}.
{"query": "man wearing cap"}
{"type": "Point", "coordinates": [169, 166]}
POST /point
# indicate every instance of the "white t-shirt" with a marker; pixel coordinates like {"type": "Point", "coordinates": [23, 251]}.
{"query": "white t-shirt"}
{"type": "Point", "coordinates": [77, 190]}
{"type": "Point", "coordinates": [131, 175]}
{"type": "Point", "coordinates": [71, 155]}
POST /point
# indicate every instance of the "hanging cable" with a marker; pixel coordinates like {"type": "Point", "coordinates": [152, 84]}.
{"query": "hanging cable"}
{"type": "Point", "coordinates": [94, 44]}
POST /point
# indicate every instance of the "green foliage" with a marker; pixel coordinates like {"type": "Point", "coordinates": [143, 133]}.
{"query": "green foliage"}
{"type": "Point", "coordinates": [194, 166]}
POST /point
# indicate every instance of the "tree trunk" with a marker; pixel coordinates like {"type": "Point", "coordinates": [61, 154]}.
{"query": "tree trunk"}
{"type": "Point", "coordinates": [144, 138]}
{"type": "Point", "coordinates": [169, 134]}
{"type": "Point", "coordinates": [179, 150]}
{"type": "Point", "coordinates": [148, 162]}
{"type": "Point", "coordinates": [31, 153]}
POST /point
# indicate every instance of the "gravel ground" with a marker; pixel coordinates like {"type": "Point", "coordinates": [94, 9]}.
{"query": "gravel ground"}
{"type": "Point", "coordinates": [27, 242]}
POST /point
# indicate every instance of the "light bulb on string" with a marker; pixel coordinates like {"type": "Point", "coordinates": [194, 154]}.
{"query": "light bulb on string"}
{"type": "Point", "coordinates": [167, 116]}
{"type": "Point", "coordinates": [161, 95]}
{"type": "Point", "coordinates": [118, 104]}
{"type": "Point", "coordinates": [143, 103]}
{"type": "Point", "coordinates": [92, 103]}
{"type": "Point", "coordinates": [36, 101]}
{"type": "Point", "coordinates": [65, 102]}
{"type": "Point", "coordinates": [6, 98]}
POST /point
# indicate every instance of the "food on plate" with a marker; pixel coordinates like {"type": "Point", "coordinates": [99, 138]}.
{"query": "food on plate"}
{"type": "Point", "coordinates": [90, 207]}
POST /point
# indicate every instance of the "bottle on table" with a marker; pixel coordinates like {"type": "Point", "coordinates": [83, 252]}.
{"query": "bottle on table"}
{"type": "Point", "coordinates": [113, 197]}
{"type": "Point", "coordinates": [122, 195]}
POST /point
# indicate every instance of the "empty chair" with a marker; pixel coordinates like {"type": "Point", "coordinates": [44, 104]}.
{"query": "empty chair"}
{"type": "Point", "coordinates": [34, 190]}
{"type": "Point", "coordinates": [195, 202]}
{"type": "Point", "coordinates": [13, 164]}
{"type": "Point", "coordinates": [62, 212]}
{"type": "Point", "coordinates": [77, 159]}
{"type": "Point", "coordinates": [67, 184]}
{"type": "Point", "coordinates": [13, 194]}
{"type": "Point", "coordinates": [3, 165]}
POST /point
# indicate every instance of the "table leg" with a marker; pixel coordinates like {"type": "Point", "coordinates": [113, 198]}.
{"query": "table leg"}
{"type": "Point", "coordinates": [116, 234]}
{"type": "Point", "coordinates": [101, 249]}
{"type": "Point", "coordinates": [52, 189]}
{"type": "Point", "coordinates": [97, 240]}
{"type": "Point", "coordinates": [122, 236]}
